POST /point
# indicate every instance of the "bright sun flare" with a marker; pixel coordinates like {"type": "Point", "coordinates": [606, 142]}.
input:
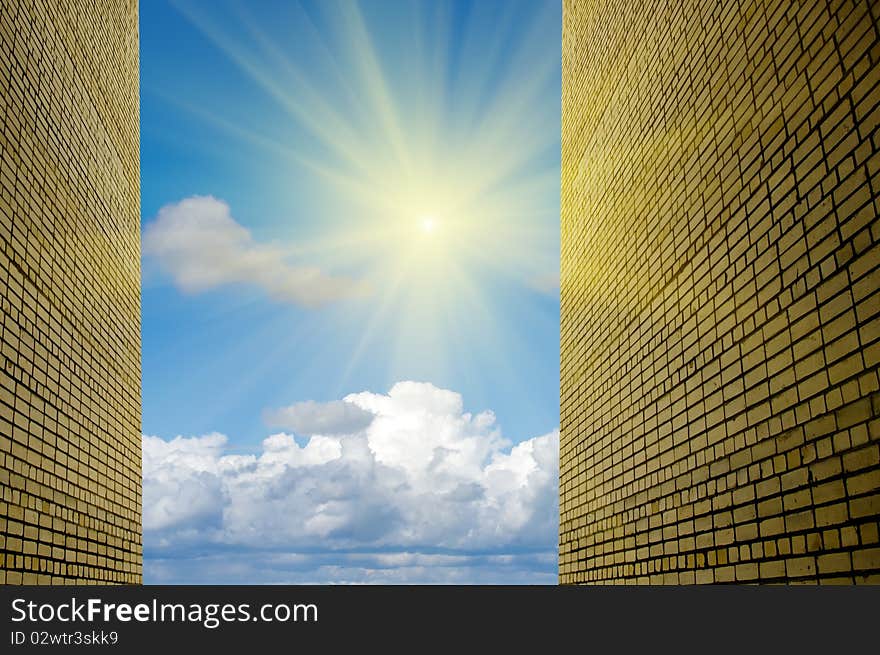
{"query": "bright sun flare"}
{"type": "Point", "coordinates": [423, 191]}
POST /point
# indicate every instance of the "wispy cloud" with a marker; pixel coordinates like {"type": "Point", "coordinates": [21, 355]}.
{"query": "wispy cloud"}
{"type": "Point", "coordinates": [309, 417]}
{"type": "Point", "coordinates": [423, 492]}
{"type": "Point", "coordinates": [547, 283]}
{"type": "Point", "coordinates": [199, 244]}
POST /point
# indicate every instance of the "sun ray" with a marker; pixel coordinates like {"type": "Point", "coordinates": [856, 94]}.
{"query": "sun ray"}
{"type": "Point", "coordinates": [440, 177]}
{"type": "Point", "coordinates": [307, 106]}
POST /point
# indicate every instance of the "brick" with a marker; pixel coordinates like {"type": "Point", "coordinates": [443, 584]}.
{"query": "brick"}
{"type": "Point", "coordinates": [866, 560]}
{"type": "Point", "coordinates": [834, 563]}
{"type": "Point", "coordinates": [70, 396]}
{"type": "Point", "coordinates": [863, 458]}
{"type": "Point", "coordinates": [868, 506]}
{"type": "Point", "coordinates": [800, 567]}
{"type": "Point", "coordinates": [836, 514]}
{"type": "Point", "coordinates": [828, 492]}
{"type": "Point", "coordinates": [720, 283]}
{"type": "Point", "coordinates": [868, 534]}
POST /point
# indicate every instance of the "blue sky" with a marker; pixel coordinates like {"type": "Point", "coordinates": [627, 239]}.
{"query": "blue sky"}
{"type": "Point", "coordinates": [342, 199]}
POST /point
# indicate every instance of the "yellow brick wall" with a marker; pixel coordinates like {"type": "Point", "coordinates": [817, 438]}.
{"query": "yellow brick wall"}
{"type": "Point", "coordinates": [70, 444]}
{"type": "Point", "coordinates": [720, 292]}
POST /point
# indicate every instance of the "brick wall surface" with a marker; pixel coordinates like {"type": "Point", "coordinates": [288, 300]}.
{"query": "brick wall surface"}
{"type": "Point", "coordinates": [70, 452]}
{"type": "Point", "coordinates": [720, 292]}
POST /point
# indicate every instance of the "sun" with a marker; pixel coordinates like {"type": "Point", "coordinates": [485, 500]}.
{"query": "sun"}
{"type": "Point", "coordinates": [444, 201]}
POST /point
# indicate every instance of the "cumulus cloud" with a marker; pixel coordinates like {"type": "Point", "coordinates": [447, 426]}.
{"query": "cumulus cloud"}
{"type": "Point", "coordinates": [422, 492]}
{"type": "Point", "coordinates": [309, 417]}
{"type": "Point", "coordinates": [201, 246]}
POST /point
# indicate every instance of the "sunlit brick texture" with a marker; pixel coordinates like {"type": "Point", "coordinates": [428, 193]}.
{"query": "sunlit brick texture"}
{"type": "Point", "coordinates": [70, 413]}
{"type": "Point", "coordinates": [720, 292]}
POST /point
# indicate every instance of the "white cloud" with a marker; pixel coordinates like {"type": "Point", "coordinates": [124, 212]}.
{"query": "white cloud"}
{"type": "Point", "coordinates": [182, 468]}
{"type": "Point", "coordinates": [309, 417]}
{"type": "Point", "coordinates": [424, 492]}
{"type": "Point", "coordinates": [200, 245]}
{"type": "Point", "coordinates": [268, 567]}
{"type": "Point", "coordinates": [547, 283]}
